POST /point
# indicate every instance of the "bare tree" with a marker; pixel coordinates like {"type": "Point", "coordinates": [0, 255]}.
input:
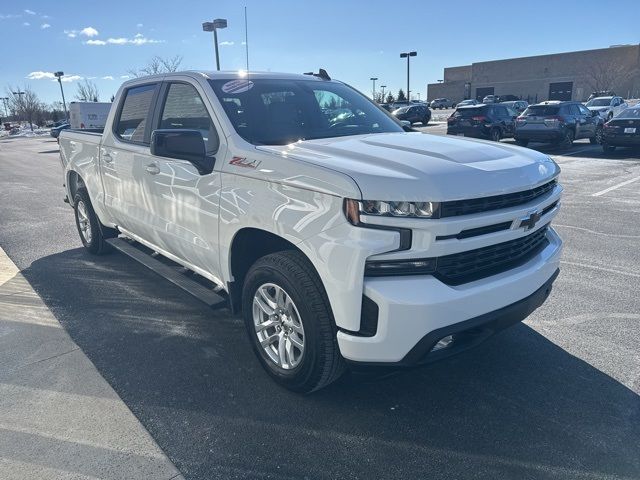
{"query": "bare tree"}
{"type": "Point", "coordinates": [158, 65]}
{"type": "Point", "coordinates": [602, 75]}
{"type": "Point", "coordinates": [87, 91]}
{"type": "Point", "coordinates": [24, 103]}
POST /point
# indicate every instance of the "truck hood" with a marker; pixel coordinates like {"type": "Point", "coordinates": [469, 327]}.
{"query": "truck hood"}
{"type": "Point", "coordinates": [424, 167]}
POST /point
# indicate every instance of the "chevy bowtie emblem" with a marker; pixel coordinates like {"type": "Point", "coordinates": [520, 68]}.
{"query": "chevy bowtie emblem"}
{"type": "Point", "coordinates": [529, 222]}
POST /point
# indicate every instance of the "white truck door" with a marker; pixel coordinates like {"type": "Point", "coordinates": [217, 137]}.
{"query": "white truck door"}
{"type": "Point", "coordinates": [123, 157]}
{"type": "Point", "coordinates": [184, 201]}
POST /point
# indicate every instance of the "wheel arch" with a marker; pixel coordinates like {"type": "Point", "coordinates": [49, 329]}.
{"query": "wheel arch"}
{"type": "Point", "coordinates": [74, 183]}
{"type": "Point", "coordinates": [247, 246]}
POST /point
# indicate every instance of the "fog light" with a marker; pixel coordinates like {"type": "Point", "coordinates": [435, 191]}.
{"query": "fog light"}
{"type": "Point", "coordinates": [443, 343]}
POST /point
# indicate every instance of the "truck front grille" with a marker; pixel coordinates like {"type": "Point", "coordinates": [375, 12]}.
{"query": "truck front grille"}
{"type": "Point", "coordinates": [471, 265]}
{"type": "Point", "coordinates": [477, 205]}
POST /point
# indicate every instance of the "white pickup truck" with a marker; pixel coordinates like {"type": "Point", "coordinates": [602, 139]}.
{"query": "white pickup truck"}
{"type": "Point", "coordinates": [342, 238]}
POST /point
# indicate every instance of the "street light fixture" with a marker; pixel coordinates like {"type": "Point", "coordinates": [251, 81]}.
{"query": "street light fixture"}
{"type": "Point", "coordinates": [218, 23]}
{"type": "Point", "coordinates": [373, 95]}
{"type": "Point", "coordinates": [383, 87]}
{"type": "Point", "coordinates": [59, 76]}
{"type": "Point", "coordinates": [408, 55]}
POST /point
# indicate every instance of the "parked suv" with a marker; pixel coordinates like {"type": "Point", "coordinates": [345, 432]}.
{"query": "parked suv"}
{"type": "Point", "coordinates": [558, 122]}
{"type": "Point", "coordinates": [607, 107]}
{"type": "Point", "coordinates": [442, 103]}
{"type": "Point", "coordinates": [518, 105]}
{"type": "Point", "coordinates": [414, 114]}
{"type": "Point", "coordinates": [482, 121]}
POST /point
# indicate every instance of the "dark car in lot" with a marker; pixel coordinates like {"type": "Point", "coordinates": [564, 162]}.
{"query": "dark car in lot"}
{"type": "Point", "coordinates": [419, 113]}
{"type": "Point", "coordinates": [55, 131]}
{"type": "Point", "coordinates": [623, 130]}
{"type": "Point", "coordinates": [559, 122]}
{"type": "Point", "coordinates": [492, 121]}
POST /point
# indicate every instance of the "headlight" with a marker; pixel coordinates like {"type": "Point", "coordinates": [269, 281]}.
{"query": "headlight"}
{"type": "Point", "coordinates": [382, 268]}
{"type": "Point", "coordinates": [379, 208]}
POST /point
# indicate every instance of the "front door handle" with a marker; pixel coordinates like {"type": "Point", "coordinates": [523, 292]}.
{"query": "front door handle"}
{"type": "Point", "coordinates": [107, 158]}
{"type": "Point", "coordinates": [153, 169]}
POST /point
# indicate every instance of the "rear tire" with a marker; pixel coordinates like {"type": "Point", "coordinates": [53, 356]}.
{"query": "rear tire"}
{"type": "Point", "coordinates": [522, 143]}
{"type": "Point", "coordinates": [305, 319]}
{"type": "Point", "coordinates": [567, 140]}
{"type": "Point", "coordinates": [608, 148]}
{"type": "Point", "coordinates": [92, 233]}
{"type": "Point", "coordinates": [425, 120]}
{"type": "Point", "coordinates": [495, 134]}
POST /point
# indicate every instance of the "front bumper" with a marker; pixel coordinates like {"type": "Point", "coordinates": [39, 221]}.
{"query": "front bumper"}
{"type": "Point", "coordinates": [414, 313]}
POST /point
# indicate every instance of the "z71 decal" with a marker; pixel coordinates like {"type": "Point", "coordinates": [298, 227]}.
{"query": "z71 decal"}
{"type": "Point", "coordinates": [243, 162]}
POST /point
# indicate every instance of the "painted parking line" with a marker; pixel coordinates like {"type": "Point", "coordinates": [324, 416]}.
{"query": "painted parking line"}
{"type": "Point", "coordinates": [607, 190]}
{"type": "Point", "coordinates": [588, 149]}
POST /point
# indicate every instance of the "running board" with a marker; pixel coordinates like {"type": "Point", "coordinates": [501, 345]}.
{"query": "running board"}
{"type": "Point", "coordinates": [172, 273]}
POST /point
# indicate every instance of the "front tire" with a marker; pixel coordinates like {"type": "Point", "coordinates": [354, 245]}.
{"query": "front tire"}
{"type": "Point", "coordinates": [92, 233]}
{"type": "Point", "coordinates": [495, 135]}
{"type": "Point", "coordinates": [289, 322]}
{"type": "Point", "coordinates": [608, 148]}
{"type": "Point", "coordinates": [522, 142]}
{"type": "Point", "coordinates": [567, 139]}
{"type": "Point", "coordinates": [597, 138]}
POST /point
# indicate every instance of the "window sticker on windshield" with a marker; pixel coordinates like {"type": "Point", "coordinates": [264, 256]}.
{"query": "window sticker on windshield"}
{"type": "Point", "coordinates": [237, 86]}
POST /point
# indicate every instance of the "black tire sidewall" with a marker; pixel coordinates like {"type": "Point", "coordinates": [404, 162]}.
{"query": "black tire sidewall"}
{"type": "Point", "coordinates": [96, 235]}
{"type": "Point", "coordinates": [267, 271]}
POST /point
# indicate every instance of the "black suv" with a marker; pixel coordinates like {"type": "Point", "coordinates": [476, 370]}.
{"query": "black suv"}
{"type": "Point", "coordinates": [414, 114]}
{"type": "Point", "coordinates": [492, 121]}
{"type": "Point", "coordinates": [558, 122]}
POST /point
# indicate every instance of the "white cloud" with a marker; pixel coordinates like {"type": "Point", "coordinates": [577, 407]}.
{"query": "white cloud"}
{"type": "Point", "coordinates": [124, 77]}
{"type": "Point", "coordinates": [71, 78]}
{"type": "Point", "coordinates": [40, 75]}
{"type": "Point", "coordinates": [45, 25]}
{"type": "Point", "coordinates": [139, 35]}
{"type": "Point", "coordinates": [107, 77]}
{"type": "Point", "coordinates": [29, 12]}
{"type": "Point", "coordinates": [10, 15]}
{"type": "Point", "coordinates": [137, 40]}
{"type": "Point", "coordinates": [139, 25]}
{"type": "Point", "coordinates": [223, 44]}
{"type": "Point", "coordinates": [243, 43]}
{"type": "Point", "coordinates": [26, 24]}
{"type": "Point", "coordinates": [71, 33]}
{"type": "Point", "coordinates": [89, 32]}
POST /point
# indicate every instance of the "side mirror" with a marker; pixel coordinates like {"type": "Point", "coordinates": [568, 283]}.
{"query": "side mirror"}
{"type": "Point", "coordinates": [182, 144]}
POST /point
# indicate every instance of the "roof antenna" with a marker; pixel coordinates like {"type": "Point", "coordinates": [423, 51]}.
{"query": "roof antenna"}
{"type": "Point", "coordinates": [322, 73]}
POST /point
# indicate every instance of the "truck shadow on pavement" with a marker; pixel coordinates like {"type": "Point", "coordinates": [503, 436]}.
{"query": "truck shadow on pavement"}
{"type": "Point", "coordinates": [516, 407]}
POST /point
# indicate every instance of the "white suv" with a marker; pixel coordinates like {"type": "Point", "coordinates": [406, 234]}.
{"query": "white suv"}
{"type": "Point", "coordinates": [607, 107]}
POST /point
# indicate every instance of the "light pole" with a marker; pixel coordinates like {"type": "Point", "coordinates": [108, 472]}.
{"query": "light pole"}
{"type": "Point", "coordinates": [408, 55]}
{"type": "Point", "coordinates": [373, 95]}
{"type": "Point", "coordinates": [5, 100]}
{"type": "Point", "coordinates": [213, 27]}
{"type": "Point", "coordinates": [59, 76]}
{"type": "Point", "coordinates": [19, 94]}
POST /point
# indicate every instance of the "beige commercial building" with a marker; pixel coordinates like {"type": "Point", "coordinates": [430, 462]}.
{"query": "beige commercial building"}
{"type": "Point", "coordinates": [560, 76]}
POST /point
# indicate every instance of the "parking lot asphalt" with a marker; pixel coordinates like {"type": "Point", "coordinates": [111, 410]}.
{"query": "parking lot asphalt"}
{"type": "Point", "coordinates": [557, 396]}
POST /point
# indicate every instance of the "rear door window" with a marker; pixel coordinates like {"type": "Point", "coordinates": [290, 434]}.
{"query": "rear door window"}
{"type": "Point", "coordinates": [131, 123]}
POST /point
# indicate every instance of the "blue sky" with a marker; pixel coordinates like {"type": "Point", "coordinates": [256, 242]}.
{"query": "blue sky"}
{"type": "Point", "coordinates": [352, 40]}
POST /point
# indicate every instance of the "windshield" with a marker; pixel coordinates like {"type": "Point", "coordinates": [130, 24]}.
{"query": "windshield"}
{"type": "Point", "coordinates": [541, 110]}
{"type": "Point", "coordinates": [282, 111]}
{"type": "Point", "coordinates": [599, 102]}
{"type": "Point", "coordinates": [631, 113]}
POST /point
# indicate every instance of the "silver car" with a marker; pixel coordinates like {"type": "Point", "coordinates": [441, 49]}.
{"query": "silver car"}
{"type": "Point", "coordinates": [442, 103]}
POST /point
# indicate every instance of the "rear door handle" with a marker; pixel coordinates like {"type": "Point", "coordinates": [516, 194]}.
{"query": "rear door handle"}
{"type": "Point", "coordinates": [153, 169]}
{"type": "Point", "coordinates": [107, 158]}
